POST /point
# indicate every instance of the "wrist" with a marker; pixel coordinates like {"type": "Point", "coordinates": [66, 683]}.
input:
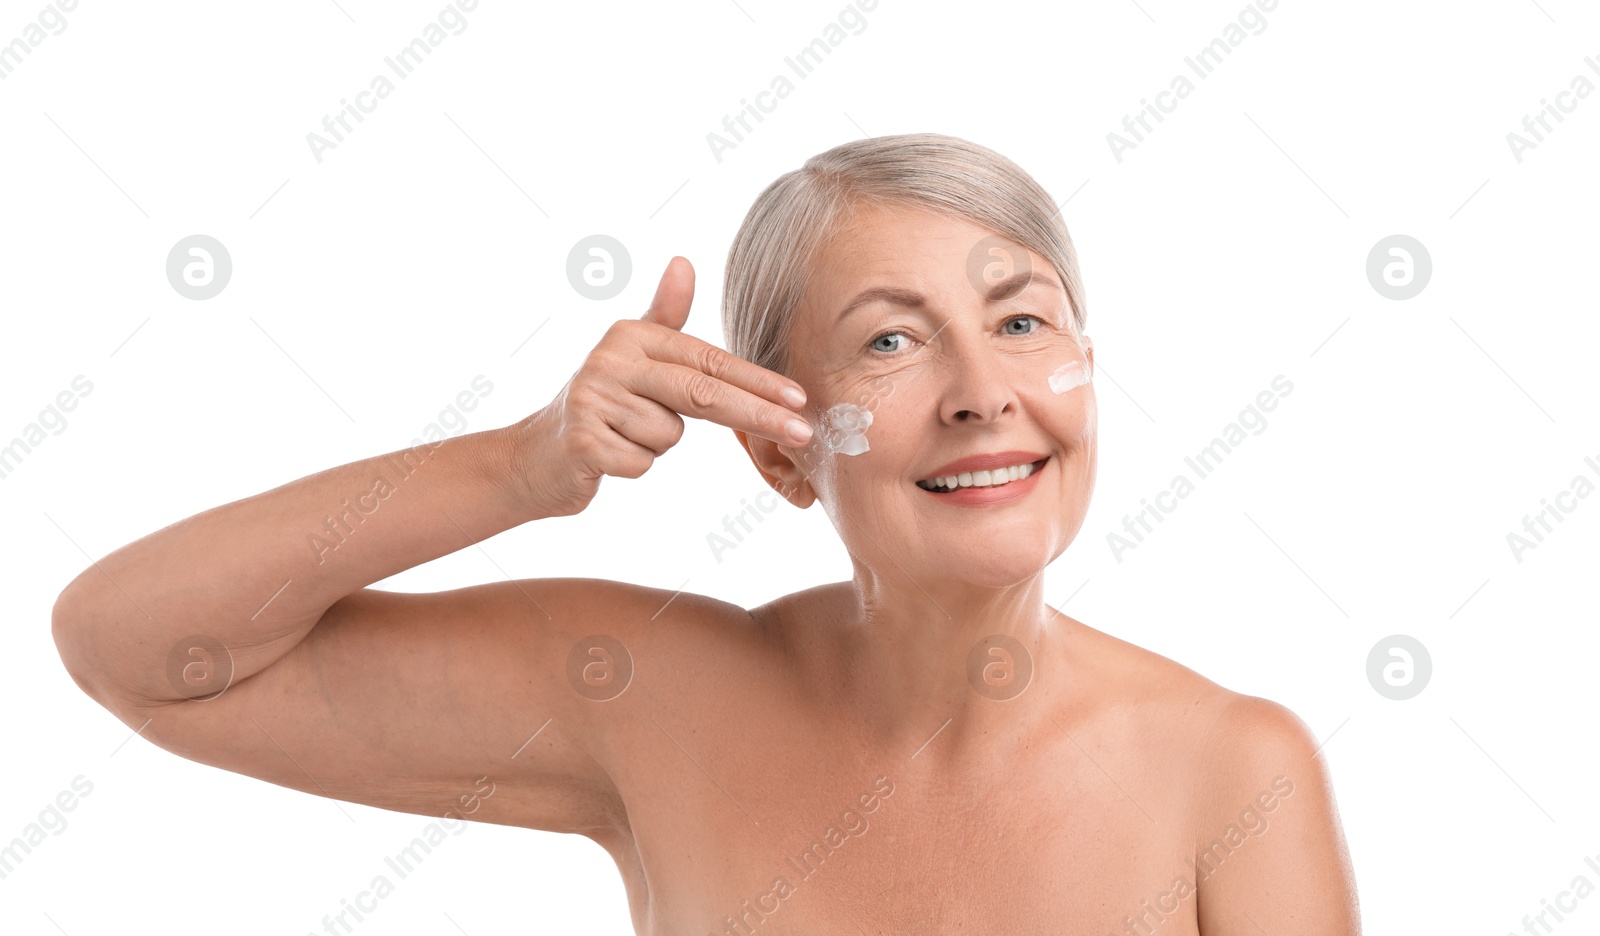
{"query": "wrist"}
{"type": "Point", "coordinates": [504, 466]}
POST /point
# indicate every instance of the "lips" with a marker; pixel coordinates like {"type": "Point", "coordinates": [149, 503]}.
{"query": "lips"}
{"type": "Point", "coordinates": [980, 479]}
{"type": "Point", "coordinates": [985, 463]}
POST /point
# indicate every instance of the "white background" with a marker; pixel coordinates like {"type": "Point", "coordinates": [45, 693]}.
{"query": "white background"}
{"type": "Point", "coordinates": [1227, 248]}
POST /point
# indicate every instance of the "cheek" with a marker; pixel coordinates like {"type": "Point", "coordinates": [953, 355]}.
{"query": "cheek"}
{"type": "Point", "coordinates": [1075, 415]}
{"type": "Point", "coordinates": [1059, 386]}
{"type": "Point", "coordinates": [860, 444]}
{"type": "Point", "coordinates": [1059, 397]}
{"type": "Point", "coordinates": [848, 417]}
{"type": "Point", "coordinates": [844, 428]}
{"type": "Point", "coordinates": [1067, 368]}
{"type": "Point", "coordinates": [1069, 376]}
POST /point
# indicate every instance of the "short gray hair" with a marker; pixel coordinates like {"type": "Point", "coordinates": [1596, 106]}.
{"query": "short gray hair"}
{"type": "Point", "coordinates": [770, 260]}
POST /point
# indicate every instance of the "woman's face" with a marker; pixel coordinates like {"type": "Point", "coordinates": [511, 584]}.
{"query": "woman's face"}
{"type": "Point", "coordinates": [950, 363]}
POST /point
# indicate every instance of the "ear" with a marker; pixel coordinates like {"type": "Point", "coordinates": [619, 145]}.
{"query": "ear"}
{"type": "Point", "coordinates": [1088, 350]}
{"type": "Point", "coordinates": [778, 466]}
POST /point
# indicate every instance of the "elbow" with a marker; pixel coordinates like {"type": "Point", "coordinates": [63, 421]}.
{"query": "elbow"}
{"type": "Point", "coordinates": [95, 653]}
{"type": "Point", "coordinates": [74, 643]}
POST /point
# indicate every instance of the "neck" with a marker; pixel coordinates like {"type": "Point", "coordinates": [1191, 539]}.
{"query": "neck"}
{"type": "Point", "coordinates": [946, 659]}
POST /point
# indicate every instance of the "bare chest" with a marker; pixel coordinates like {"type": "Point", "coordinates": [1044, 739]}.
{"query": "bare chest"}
{"type": "Point", "coordinates": [786, 833]}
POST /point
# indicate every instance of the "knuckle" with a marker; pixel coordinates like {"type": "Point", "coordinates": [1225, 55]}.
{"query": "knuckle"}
{"type": "Point", "coordinates": [602, 360]}
{"type": "Point", "coordinates": [634, 465]}
{"type": "Point", "coordinates": [703, 391]}
{"type": "Point", "coordinates": [584, 401]}
{"type": "Point", "coordinates": [621, 327]}
{"type": "Point", "coordinates": [664, 434]}
{"type": "Point", "coordinates": [584, 445]}
{"type": "Point", "coordinates": [709, 360]}
{"type": "Point", "coordinates": [619, 340]}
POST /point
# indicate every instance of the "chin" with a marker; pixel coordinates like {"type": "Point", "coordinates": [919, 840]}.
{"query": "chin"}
{"type": "Point", "coordinates": [1002, 567]}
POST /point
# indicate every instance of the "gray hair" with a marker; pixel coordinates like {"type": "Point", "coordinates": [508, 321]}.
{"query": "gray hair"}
{"type": "Point", "coordinates": [770, 260]}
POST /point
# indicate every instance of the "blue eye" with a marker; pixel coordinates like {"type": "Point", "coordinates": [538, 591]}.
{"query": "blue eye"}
{"type": "Point", "coordinates": [1022, 318]}
{"type": "Point", "coordinates": [881, 337]}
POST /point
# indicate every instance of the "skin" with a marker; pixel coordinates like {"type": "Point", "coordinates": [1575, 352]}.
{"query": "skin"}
{"type": "Point", "coordinates": [719, 742]}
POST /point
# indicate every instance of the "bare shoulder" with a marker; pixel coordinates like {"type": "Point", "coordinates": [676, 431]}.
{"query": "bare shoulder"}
{"type": "Point", "coordinates": [663, 629]}
{"type": "Point", "coordinates": [1253, 734]}
{"type": "Point", "coordinates": [1162, 692]}
{"type": "Point", "coordinates": [1256, 757]}
{"type": "Point", "coordinates": [668, 631]}
{"type": "Point", "coordinates": [1269, 852]}
{"type": "Point", "coordinates": [625, 603]}
{"type": "Point", "coordinates": [1231, 738]}
{"type": "Point", "coordinates": [1269, 843]}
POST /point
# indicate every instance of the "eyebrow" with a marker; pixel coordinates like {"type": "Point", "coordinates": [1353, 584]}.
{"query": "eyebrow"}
{"type": "Point", "coordinates": [1004, 289]}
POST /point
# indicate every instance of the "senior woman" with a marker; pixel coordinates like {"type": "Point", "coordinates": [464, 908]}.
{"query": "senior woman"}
{"type": "Point", "coordinates": [927, 747]}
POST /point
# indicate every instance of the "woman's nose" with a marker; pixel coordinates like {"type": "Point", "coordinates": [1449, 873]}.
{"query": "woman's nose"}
{"type": "Point", "coordinates": [977, 385]}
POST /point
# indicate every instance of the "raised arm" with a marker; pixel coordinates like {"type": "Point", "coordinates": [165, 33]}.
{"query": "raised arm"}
{"type": "Point", "coordinates": [246, 637]}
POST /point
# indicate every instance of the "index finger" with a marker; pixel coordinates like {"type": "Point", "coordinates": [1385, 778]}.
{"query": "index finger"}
{"type": "Point", "coordinates": [704, 381]}
{"type": "Point", "coordinates": [689, 351]}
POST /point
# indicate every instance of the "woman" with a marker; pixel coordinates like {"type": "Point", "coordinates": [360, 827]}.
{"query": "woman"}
{"type": "Point", "coordinates": [927, 747]}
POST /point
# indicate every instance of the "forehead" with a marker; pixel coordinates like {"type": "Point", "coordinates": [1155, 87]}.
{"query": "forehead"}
{"type": "Point", "coordinates": [893, 238]}
{"type": "Point", "coordinates": [895, 245]}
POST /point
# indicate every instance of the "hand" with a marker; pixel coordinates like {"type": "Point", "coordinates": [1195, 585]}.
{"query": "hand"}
{"type": "Point", "coordinates": [620, 411]}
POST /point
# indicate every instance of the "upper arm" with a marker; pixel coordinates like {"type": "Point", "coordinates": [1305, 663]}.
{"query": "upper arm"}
{"type": "Point", "coordinates": [451, 703]}
{"type": "Point", "coordinates": [1270, 853]}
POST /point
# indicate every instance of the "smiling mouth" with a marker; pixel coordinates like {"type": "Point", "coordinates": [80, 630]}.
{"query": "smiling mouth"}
{"type": "Point", "coordinates": [998, 477]}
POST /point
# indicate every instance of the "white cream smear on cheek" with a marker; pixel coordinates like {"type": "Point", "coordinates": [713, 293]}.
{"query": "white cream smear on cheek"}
{"type": "Point", "coordinates": [1070, 376]}
{"type": "Point", "coordinates": [844, 429]}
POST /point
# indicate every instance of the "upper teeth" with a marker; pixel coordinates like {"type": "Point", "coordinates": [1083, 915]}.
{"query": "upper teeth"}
{"type": "Point", "coordinates": [990, 478]}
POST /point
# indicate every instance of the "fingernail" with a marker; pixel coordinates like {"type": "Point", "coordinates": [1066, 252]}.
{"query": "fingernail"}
{"type": "Point", "coordinates": [799, 430]}
{"type": "Point", "coordinates": [793, 396]}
